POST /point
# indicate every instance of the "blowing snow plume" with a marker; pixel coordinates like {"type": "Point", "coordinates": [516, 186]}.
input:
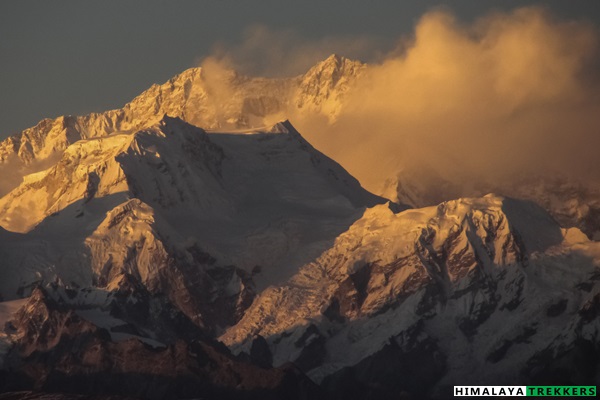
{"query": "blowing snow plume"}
{"type": "Point", "coordinates": [511, 93]}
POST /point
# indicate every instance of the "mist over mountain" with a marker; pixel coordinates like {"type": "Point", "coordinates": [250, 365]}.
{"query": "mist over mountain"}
{"type": "Point", "coordinates": [355, 231]}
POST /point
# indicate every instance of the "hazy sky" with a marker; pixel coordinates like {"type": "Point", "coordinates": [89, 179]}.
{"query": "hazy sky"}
{"type": "Point", "coordinates": [75, 57]}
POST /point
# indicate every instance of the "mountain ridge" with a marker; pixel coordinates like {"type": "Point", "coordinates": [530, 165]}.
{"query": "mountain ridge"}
{"type": "Point", "coordinates": [447, 278]}
{"type": "Point", "coordinates": [144, 235]}
{"type": "Point", "coordinates": [218, 99]}
{"type": "Point", "coordinates": [191, 88]}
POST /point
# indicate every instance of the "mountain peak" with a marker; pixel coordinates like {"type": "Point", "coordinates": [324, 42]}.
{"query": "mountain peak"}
{"type": "Point", "coordinates": [336, 64]}
{"type": "Point", "coordinates": [282, 127]}
{"type": "Point", "coordinates": [323, 87]}
{"type": "Point", "coordinates": [334, 58]}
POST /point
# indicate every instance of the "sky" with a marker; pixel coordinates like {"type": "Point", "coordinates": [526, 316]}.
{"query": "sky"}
{"type": "Point", "coordinates": [76, 57]}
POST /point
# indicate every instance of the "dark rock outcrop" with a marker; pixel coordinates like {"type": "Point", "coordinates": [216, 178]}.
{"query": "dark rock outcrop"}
{"type": "Point", "coordinates": [57, 351]}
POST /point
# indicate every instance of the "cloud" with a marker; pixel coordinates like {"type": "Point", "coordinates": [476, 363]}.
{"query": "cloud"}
{"type": "Point", "coordinates": [512, 93]}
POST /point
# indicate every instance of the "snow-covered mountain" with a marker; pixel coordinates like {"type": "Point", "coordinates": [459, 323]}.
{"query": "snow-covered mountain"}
{"type": "Point", "coordinates": [158, 236]}
{"type": "Point", "coordinates": [225, 100]}
{"type": "Point", "coordinates": [200, 217]}
{"type": "Point", "coordinates": [143, 235]}
{"type": "Point", "coordinates": [485, 291]}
